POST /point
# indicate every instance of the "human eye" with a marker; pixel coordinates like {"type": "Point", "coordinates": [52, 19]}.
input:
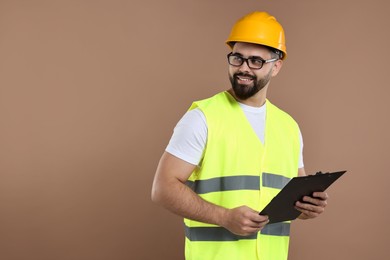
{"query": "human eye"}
{"type": "Point", "coordinates": [237, 58]}
{"type": "Point", "coordinates": [256, 62]}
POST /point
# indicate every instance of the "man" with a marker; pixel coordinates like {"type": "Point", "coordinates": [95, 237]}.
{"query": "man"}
{"type": "Point", "coordinates": [232, 153]}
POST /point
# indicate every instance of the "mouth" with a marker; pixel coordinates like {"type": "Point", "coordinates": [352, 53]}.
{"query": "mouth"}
{"type": "Point", "coordinates": [244, 79]}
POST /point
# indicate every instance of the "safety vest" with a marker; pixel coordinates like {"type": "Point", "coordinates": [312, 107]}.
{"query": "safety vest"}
{"type": "Point", "coordinates": [237, 169]}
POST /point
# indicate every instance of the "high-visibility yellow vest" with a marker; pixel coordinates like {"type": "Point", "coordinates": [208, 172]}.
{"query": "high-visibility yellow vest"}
{"type": "Point", "coordinates": [237, 169]}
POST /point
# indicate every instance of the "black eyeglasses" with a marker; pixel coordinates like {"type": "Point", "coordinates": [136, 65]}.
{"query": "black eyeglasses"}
{"type": "Point", "coordinates": [253, 63]}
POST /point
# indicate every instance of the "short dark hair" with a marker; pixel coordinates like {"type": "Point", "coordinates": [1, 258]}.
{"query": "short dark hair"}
{"type": "Point", "coordinates": [275, 53]}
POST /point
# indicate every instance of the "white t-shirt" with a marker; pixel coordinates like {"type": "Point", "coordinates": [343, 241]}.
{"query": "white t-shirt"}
{"type": "Point", "coordinates": [190, 134]}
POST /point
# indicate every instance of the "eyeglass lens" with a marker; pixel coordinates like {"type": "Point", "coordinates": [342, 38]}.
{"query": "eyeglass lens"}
{"type": "Point", "coordinates": [252, 63]}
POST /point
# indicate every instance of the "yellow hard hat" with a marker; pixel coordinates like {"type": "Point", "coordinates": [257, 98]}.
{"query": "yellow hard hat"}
{"type": "Point", "coordinates": [259, 28]}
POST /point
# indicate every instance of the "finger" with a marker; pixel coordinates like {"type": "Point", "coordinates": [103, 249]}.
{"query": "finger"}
{"type": "Point", "coordinates": [255, 216]}
{"type": "Point", "coordinates": [310, 207]}
{"type": "Point", "coordinates": [259, 218]}
{"type": "Point", "coordinates": [255, 224]}
{"type": "Point", "coordinates": [315, 201]}
{"type": "Point", "coordinates": [309, 210]}
{"type": "Point", "coordinates": [321, 195]}
{"type": "Point", "coordinates": [247, 230]}
{"type": "Point", "coordinates": [307, 213]}
{"type": "Point", "coordinates": [259, 225]}
{"type": "Point", "coordinates": [253, 219]}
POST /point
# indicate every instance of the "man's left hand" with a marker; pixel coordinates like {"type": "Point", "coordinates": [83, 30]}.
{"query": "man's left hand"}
{"type": "Point", "coordinates": [312, 206]}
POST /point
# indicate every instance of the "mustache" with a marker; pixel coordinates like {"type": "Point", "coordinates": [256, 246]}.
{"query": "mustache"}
{"type": "Point", "coordinates": [244, 75]}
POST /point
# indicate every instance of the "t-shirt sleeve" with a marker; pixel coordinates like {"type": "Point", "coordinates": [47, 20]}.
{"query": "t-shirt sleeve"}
{"type": "Point", "coordinates": [189, 137]}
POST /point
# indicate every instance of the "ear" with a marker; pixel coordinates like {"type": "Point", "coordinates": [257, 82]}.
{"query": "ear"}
{"type": "Point", "coordinates": [277, 67]}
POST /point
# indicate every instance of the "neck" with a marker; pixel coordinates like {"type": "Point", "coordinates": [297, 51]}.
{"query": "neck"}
{"type": "Point", "coordinates": [255, 101]}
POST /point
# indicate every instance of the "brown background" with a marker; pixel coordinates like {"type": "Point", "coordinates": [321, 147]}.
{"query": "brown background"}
{"type": "Point", "coordinates": [91, 90]}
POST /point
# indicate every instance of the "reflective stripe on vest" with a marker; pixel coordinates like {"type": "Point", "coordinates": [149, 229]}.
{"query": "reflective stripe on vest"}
{"type": "Point", "coordinates": [243, 182]}
{"type": "Point", "coordinates": [222, 234]}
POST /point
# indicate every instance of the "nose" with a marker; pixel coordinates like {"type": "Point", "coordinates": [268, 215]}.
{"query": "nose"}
{"type": "Point", "coordinates": [244, 67]}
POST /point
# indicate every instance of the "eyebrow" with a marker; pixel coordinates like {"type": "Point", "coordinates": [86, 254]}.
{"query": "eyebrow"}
{"type": "Point", "coordinates": [250, 57]}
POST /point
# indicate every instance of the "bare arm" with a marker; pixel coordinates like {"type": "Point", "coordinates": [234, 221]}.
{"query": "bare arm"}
{"type": "Point", "coordinates": [170, 191]}
{"type": "Point", "coordinates": [312, 206]}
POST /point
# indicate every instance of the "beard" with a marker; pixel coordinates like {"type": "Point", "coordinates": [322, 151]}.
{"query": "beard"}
{"type": "Point", "coordinates": [244, 91]}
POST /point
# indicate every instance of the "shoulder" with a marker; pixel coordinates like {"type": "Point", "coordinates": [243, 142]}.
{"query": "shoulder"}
{"type": "Point", "coordinates": [193, 117]}
{"type": "Point", "coordinates": [280, 114]}
{"type": "Point", "coordinates": [189, 137]}
{"type": "Point", "coordinates": [219, 100]}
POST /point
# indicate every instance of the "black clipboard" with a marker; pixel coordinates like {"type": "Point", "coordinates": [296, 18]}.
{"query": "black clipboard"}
{"type": "Point", "coordinates": [282, 206]}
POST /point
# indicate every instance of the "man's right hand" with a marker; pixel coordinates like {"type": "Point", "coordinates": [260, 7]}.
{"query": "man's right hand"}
{"type": "Point", "coordinates": [170, 191]}
{"type": "Point", "coordinates": [244, 221]}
